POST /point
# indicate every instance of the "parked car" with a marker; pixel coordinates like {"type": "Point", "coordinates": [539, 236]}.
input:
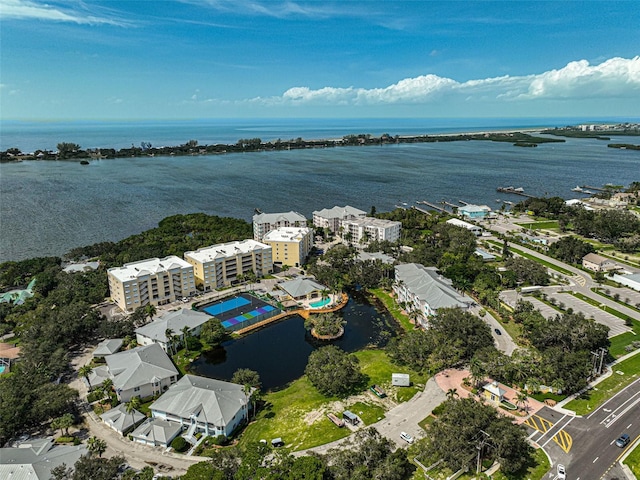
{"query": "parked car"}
{"type": "Point", "coordinates": [561, 473]}
{"type": "Point", "coordinates": [497, 330]}
{"type": "Point", "coordinates": [623, 440]}
{"type": "Point", "coordinates": [406, 437]}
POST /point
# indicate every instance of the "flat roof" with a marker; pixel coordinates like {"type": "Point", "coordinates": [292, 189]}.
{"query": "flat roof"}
{"type": "Point", "coordinates": [150, 266]}
{"type": "Point", "coordinates": [225, 250]}
{"type": "Point", "coordinates": [286, 234]}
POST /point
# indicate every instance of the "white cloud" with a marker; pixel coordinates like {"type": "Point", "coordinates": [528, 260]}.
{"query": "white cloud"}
{"type": "Point", "coordinates": [26, 9]}
{"type": "Point", "coordinates": [615, 77]}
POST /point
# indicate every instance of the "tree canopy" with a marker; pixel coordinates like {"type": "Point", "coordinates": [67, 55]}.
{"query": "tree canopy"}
{"type": "Point", "coordinates": [333, 372]}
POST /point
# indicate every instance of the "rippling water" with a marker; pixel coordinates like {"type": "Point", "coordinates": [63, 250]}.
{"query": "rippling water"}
{"type": "Point", "coordinates": [48, 207]}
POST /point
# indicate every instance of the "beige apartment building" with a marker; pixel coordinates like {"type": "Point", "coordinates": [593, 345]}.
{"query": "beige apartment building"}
{"type": "Point", "coordinates": [263, 223]}
{"type": "Point", "coordinates": [220, 265]}
{"type": "Point", "coordinates": [289, 246]}
{"type": "Point", "coordinates": [156, 281]}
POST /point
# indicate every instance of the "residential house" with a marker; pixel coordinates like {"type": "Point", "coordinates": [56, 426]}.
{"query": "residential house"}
{"type": "Point", "coordinates": [289, 246]}
{"type": "Point", "coordinates": [205, 405]}
{"type": "Point", "coordinates": [474, 211]}
{"type": "Point", "coordinates": [425, 291]}
{"type": "Point", "coordinates": [220, 265]}
{"type": "Point", "coordinates": [493, 392]}
{"type": "Point", "coordinates": [597, 263]}
{"type": "Point", "coordinates": [36, 459]}
{"type": "Point", "coordinates": [156, 432]}
{"type": "Point", "coordinates": [141, 372]}
{"type": "Point", "coordinates": [330, 218]}
{"type": "Point", "coordinates": [122, 421]}
{"type": "Point", "coordinates": [175, 321]}
{"type": "Point", "coordinates": [263, 223]}
{"type": "Point", "coordinates": [157, 281]}
{"type": "Point", "coordinates": [107, 347]}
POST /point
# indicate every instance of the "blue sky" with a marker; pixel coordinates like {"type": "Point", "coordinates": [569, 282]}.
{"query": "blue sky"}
{"type": "Point", "coordinates": [88, 59]}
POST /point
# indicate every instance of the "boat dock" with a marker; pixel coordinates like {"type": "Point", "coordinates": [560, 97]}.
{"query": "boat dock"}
{"type": "Point", "coordinates": [449, 204]}
{"type": "Point", "coordinates": [589, 187]}
{"type": "Point", "coordinates": [432, 205]}
{"type": "Point", "coordinates": [515, 191]}
{"type": "Point", "coordinates": [462, 202]}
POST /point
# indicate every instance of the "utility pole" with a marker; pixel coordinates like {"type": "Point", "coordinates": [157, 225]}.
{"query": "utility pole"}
{"type": "Point", "coordinates": [603, 352]}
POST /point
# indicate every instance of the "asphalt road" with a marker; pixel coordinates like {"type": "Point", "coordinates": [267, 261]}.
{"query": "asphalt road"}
{"type": "Point", "coordinates": [586, 445]}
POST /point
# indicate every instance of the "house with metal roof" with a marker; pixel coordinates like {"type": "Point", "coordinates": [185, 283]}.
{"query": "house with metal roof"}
{"type": "Point", "coordinates": [474, 211]}
{"type": "Point", "coordinates": [302, 288]}
{"type": "Point", "coordinates": [176, 321]}
{"type": "Point", "coordinates": [205, 405]}
{"type": "Point", "coordinates": [120, 420]}
{"type": "Point", "coordinates": [107, 347]}
{"type": "Point", "coordinates": [35, 459]}
{"type": "Point", "coordinates": [156, 432]}
{"type": "Point", "coordinates": [425, 291]}
{"type": "Point", "coordinates": [141, 372]}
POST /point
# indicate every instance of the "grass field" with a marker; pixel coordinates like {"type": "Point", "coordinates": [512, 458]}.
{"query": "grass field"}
{"type": "Point", "coordinates": [591, 399]}
{"type": "Point", "coordinates": [541, 225]}
{"type": "Point", "coordinates": [395, 310]}
{"type": "Point", "coordinates": [633, 461]}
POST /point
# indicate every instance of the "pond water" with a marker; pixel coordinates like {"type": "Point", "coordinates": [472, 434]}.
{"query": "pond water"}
{"type": "Point", "coordinates": [279, 352]}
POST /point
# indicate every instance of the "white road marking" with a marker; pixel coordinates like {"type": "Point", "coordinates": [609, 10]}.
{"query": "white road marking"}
{"type": "Point", "coordinates": [561, 429]}
{"type": "Point", "coordinates": [601, 407]}
{"type": "Point", "coordinates": [595, 460]}
{"type": "Point", "coordinates": [617, 416]}
{"type": "Point", "coordinates": [629, 426]}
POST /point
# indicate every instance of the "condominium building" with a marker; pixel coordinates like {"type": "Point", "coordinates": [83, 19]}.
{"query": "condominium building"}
{"type": "Point", "coordinates": [289, 246]}
{"type": "Point", "coordinates": [366, 229]}
{"type": "Point", "coordinates": [263, 223]}
{"type": "Point", "coordinates": [220, 265]}
{"type": "Point", "coordinates": [156, 281]}
{"type": "Point", "coordinates": [330, 218]}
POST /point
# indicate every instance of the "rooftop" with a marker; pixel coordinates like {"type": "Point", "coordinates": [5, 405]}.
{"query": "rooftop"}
{"type": "Point", "coordinates": [286, 234]}
{"type": "Point", "coordinates": [139, 366]}
{"type": "Point", "coordinates": [290, 217]}
{"type": "Point", "coordinates": [339, 212]}
{"type": "Point", "coordinates": [373, 222]}
{"type": "Point", "coordinates": [225, 250]}
{"type": "Point", "coordinates": [301, 286]}
{"type": "Point", "coordinates": [174, 321]}
{"type": "Point", "coordinates": [151, 266]}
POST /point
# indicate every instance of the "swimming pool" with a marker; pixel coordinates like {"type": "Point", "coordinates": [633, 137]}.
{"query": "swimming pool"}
{"type": "Point", "coordinates": [2, 367]}
{"type": "Point", "coordinates": [320, 303]}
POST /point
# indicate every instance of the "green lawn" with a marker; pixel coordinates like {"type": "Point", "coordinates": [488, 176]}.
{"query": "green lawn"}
{"type": "Point", "coordinates": [536, 472]}
{"type": "Point", "coordinates": [633, 461]}
{"type": "Point", "coordinates": [619, 342]}
{"type": "Point", "coordinates": [393, 308]}
{"type": "Point", "coordinates": [298, 412]}
{"type": "Point", "coordinates": [591, 399]}
{"type": "Point", "coordinates": [542, 225]}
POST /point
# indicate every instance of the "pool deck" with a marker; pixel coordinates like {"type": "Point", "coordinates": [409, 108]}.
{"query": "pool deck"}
{"type": "Point", "coordinates": [303, 312]}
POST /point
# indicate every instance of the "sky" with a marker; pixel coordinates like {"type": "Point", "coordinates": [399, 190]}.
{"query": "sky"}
{"type": "Point", "coordinates": [191, 59]}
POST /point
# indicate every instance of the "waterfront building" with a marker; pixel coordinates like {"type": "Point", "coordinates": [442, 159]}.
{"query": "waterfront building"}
{"type": "Point", "coordinates": [330, 218]}
{"type": "Point", "coordinates": [203, 405]}
{"type": "Point", "coordinates": [475, 229]}
{"type": "Point", "coordinates": [176, 321]}
{"type": "Point", "coordinates": [289, 246]}
{"type": "Point", "coordinates": [264, 223]}
{"type": "Point", "coordinates": [156, 281]}
{"type": "Point", "coordinates": [366, 229]}
{"type": "Point", "coordinates": [425, 291]}
{"type": "Point", "coordinates": [474, 211]}
{"type": "Point", "coordinates": [141, 372]}
{"type": "Point", "coordinates": [220, 265]}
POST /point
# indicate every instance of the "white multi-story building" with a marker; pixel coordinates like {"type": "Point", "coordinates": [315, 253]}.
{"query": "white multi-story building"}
{"type": "Point", "coordinates": [289, 246]}
{"type": "Point", "coordinates": [366, 229]}
{"type": "Point", "coordinates": [220, 265]}
{"type": "Point", "coordinates": [263, 223]}
{"type": "Point", "coordinates": [156, 281]}
{"type": "Point", "coordinates": [330, 218]}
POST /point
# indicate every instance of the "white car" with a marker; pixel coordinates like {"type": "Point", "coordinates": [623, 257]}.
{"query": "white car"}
{"type": "Point", "coordinates": [406, 437]}
{"type": "Point", "coordinates": [561, 473]}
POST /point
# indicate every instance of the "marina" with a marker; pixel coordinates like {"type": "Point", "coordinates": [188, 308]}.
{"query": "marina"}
{"type": "Point", "coordinates": [515, 191]}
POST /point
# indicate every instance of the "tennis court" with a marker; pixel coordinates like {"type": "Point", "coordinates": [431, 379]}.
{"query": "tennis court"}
{"type": "Point", "coordinates": [240, 311]}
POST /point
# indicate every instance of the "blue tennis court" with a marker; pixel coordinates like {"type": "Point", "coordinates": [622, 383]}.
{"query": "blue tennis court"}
{"type": "Point", "coordinates": [240, 311]}
{"type": "Point", "coordinates": [225, 306]}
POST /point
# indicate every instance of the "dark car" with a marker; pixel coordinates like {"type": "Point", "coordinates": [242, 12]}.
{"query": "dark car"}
{"type": "Point", "coordinates": [623, 440]}
{"type": "Point", "coordinates": [497, 330]}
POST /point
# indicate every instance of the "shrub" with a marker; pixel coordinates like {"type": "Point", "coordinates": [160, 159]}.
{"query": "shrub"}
{"type": "Point", "coordinates": [179, 444]}
{"type": "Point", "coordinates": [438, 410]}
{"type": "Point", "coordinates": [220, 440]}
{"type": "Point", "coordinates": [95, 396]}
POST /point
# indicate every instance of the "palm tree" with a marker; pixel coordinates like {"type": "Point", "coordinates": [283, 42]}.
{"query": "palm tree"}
{"type": "Point", "coordinates": [150, 310]}
{"type": "Point", "coordinates": [521, 400]}
{"type": "Point", "coordinates": [246, 389]}
{"type": "Point", "coordinates": [169, 334]}
{"type": "Point", "coordinates": [65, 422]}
{"type": "Point", "coordinates": [478, 371]}
{"type": "Point", "coordinates": [452, 393]}
{"type": "Point", "coordinates": [131, 406]}
{"type": "Point", "coordinates": [107, 387]}
{"type": "Point", "coordinates": [96, 446]}
{"type": "Point", "coordinates": [185, 334]}
{"type": "Point", "coordinates": [85, 371]}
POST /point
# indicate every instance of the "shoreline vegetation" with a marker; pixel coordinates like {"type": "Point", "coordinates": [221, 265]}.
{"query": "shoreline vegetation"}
{"type": "Point", "coordinates": [73, 151]}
